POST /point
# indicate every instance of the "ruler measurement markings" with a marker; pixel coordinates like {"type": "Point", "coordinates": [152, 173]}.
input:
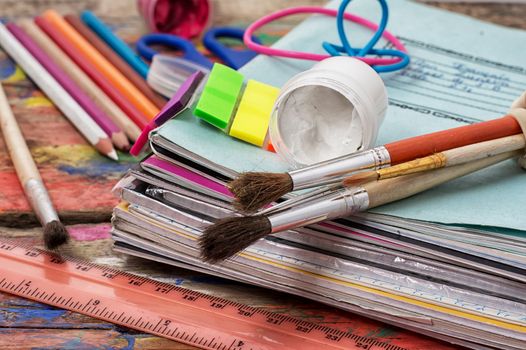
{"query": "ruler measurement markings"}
{"type": "Point", "coordinates": [34, 291]}
{"type": "Point", "coordinates": [86, 305]}
{"type": "Point", "coordinates": [231, 311]}
{"type": "Point", "coordinates": [103, 310]}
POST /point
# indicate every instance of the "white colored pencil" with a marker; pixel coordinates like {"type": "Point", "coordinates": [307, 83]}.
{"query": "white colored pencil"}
{"type": "Point", "coordinates": [82, 79]}
{"type": "Point", "coordinates": [71, 109]}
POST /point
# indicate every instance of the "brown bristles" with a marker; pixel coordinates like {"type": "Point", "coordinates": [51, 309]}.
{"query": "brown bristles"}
{"type": "Point", "coordinates": [55, 234]}
{"type": "Point", "coordinates": [229, 236]}
{"type": "Point", "coordinates": [360, 178]}
{"type": "Point", "coordinates": [255, 190]}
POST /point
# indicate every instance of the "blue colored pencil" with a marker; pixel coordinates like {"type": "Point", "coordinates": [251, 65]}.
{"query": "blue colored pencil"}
{"type": "Point", "coordinates": [119, 46]}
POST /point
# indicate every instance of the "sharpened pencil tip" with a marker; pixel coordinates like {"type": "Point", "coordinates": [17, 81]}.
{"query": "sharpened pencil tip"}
{"type": "Point", "coordinates": [120, 141]}
{"type": "Point", "coordinates": [113, 155]}
{"type": "Point", "coordinates": [105, 147]}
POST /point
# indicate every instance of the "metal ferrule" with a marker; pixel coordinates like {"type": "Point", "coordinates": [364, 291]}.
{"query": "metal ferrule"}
{"type": "Point", "coordinates": [338, 204]}
{"type": "Point", "coordinates": [40, 202]}
{"type": "Point", "coordinates": [333, 170]}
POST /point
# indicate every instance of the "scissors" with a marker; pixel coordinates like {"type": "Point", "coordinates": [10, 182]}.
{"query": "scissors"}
{"type": "Point", "coordinates": [232, 58]}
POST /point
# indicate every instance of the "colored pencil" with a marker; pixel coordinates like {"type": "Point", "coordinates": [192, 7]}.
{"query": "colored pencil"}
{"type": "Point", "coordinates": [119, 46]}
{"type": "Point", "coordinates": [91, 70]}
{"type": "Point", "coordinates": [115, 59]}
{"type": "Point", "coordinates": [83, 81]}
{"type": "Point", "coordinates": [116, 135]}
{"type": "Point", "coordinates": [120, 82]}
{"type": "Point", "coordinates": [176, 104]}
{"type": "Point", "coordinates": [71, 109]}
{"type": "Point", "coordinates": [55, 233]}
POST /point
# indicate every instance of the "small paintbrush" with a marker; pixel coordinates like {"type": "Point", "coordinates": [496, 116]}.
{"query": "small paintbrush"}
{"type": "Point", "coordinates": [231, 235]}
{"type": "Point", "coordinates": [254, 190]}
{"type": "Point", "coordinates": [444, 159]}
{"type": "Point", "coordinates": [55, 234]}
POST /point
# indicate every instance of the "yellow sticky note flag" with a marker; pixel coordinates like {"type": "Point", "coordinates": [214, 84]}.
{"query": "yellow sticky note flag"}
{"type": "Point", "coordinates": [253, 113]}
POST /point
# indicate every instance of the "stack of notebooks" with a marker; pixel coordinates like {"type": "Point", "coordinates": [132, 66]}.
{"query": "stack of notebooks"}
{"type": "Point", "coordinates": [449, 263]}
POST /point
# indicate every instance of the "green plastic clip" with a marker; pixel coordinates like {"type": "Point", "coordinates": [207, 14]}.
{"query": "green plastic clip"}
{"type": "Point", "coordinates": [219, 96]}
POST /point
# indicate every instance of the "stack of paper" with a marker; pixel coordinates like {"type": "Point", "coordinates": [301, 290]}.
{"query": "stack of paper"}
{"type": "Point", "coordinates": [450, 262]}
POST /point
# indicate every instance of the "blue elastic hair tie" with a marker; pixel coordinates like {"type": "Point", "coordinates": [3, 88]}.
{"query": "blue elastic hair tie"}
{"type": "Point", "coordinates": [368, 49]}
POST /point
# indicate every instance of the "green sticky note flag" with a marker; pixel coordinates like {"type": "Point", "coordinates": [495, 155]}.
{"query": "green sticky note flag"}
{"type": "Point", "coordinates": [219, 96]}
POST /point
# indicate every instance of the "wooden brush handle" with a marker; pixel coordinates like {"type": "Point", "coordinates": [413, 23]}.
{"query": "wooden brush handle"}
{"type": "Point", "coordinates": [16, 144]}
{"type": "Point", "coordinates": [390, 190]}
{"type": "Point", "coordinates": [424, 145]}
{"type": "Point", "coordinates": [484, 149]}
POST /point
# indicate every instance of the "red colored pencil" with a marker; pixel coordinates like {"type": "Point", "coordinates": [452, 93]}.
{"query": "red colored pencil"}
{"type": "Point", "coordinates": [99, 78]}
{"type": "Point", "coordinates": [115, 59]}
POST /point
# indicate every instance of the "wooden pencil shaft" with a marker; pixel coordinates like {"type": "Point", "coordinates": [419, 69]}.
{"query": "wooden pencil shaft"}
{"type": "Point", "coordinates": [390, 190]}
{"type": "Point", "coordinates": [24, 164]}
{"type": "Point", "coordinates": [115, 59]}
{"type": "Point", "coordinates": [120, 82]}
{"type": "Point", "coordinates": [91, 131]}
{"type": "Point", "coordinates": [102, 81]}
{"type": "Point", "coordinates": [455, 156]}
{"type": "Point", "coordinates": [82, 80]}
{"type": "Point", "coordinates": [96, 114]}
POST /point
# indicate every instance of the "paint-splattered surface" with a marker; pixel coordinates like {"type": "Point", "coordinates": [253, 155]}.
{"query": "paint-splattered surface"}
{"type": "Point", "coordinates": [78, 178]}
{"type": "Point", "coordinates": [80, 181]}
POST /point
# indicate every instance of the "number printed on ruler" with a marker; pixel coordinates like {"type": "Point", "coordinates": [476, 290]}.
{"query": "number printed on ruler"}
{"type": "Point", "coordinates": [159, 308]}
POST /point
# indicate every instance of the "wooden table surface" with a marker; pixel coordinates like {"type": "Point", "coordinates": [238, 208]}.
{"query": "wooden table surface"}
{"type": "Point", "coordinates": [80, 181]}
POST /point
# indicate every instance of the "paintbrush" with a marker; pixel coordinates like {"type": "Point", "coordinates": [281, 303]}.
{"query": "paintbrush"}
{"type": "Point", "coordinates": [455, 156]}
{"type": "Point", "coordinates": [230, 235]}
{"type": "Point", "coordinates": [443, 159]}
{"type": "Point", "coordinates": [55, 234]}
{"type": "Point", "coordinates": [253, 190]}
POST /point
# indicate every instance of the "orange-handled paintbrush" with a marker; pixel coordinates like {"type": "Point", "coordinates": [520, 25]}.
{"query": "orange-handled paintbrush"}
{"type": "Point", "coordinates": [254, 190]}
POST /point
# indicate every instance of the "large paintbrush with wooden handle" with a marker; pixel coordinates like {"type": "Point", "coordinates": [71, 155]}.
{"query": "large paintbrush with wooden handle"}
{"type": "Point", "coordinates": [231, 235]}
{"type": "Point", "coordinates": [452, 157]}
{"type": "Point", "coordinates": [55, 233]}
{"type": "Point", "coordinates": [253, 190]}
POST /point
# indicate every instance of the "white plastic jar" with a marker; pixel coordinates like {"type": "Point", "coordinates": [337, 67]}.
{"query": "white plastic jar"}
{"type": "Point", "coordinates": [334, 108]}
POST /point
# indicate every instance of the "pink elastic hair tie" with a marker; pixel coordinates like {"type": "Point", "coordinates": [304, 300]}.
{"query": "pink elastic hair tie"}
{"type": "Point", "coordinates": [313, 56]}
{"type": "Point", "coordinates": [185, 18]}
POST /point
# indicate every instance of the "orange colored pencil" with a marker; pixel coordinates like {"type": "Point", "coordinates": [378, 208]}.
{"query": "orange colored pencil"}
{"type": "Point", "coordinates": [120, 82]}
